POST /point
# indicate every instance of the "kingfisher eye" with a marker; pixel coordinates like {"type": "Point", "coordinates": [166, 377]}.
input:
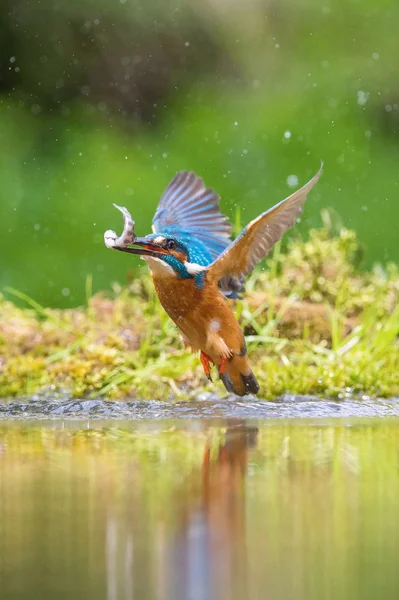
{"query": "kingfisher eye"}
{"type": "Point", "coordinates": [171, 244]}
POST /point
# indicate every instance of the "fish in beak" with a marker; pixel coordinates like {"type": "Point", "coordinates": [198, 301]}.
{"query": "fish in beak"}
{"type": "Point", "coordinates": [128, 238]}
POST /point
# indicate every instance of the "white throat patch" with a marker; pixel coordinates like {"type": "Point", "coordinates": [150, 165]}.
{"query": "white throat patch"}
{"type": "Point", "coordinates": [159, 267]}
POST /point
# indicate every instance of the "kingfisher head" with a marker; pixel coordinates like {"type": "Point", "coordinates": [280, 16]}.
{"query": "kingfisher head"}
{"type": "Point", "coordinates": [166, 255]}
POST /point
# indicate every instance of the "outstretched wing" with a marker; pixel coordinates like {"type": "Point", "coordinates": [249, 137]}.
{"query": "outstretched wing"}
{"type": "Point", "coordinates": [257, 239]}
{"type": "Point", "coordinates": [188, 204]}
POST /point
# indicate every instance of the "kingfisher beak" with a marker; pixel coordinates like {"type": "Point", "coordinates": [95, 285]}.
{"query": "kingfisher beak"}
{"type": "Point", "coordinates": [145, 248]}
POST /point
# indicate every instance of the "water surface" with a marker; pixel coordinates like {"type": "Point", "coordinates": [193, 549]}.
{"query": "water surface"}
{"type": "Point", "coordinates": [204, 406]}
{"type": "Point", "coordinates": [199, 509]}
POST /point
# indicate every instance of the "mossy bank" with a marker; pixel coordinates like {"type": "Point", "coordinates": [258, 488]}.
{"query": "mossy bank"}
{"type": "Point", "coordinates": [315, 324]}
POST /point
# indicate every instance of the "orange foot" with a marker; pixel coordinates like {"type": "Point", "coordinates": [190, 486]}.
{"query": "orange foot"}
{"type": "Point", "coordinates": [206, 360]}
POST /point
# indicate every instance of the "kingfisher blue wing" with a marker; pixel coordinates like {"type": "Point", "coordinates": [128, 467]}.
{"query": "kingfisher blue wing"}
{"type": "Point", "coordinates": [257, 239]}
{"type": "Point", "coordinates": [188, 206]}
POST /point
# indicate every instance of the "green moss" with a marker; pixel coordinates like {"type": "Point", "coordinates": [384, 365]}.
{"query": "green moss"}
{"type": "Point", "coordinates": [315, 324]}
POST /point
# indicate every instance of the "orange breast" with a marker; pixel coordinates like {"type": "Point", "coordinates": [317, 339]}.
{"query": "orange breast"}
{"type": "Point", "coordinates": [177, 296]}
{"type": "Point", "coordinates": [200, 314]}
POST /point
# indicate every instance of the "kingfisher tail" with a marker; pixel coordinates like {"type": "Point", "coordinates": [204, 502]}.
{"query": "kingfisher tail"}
{"type": "Point", "coordinates": [238, 377]}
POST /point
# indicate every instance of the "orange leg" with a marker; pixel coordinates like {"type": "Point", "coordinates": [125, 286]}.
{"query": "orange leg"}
{"type": "Point", "coordinates": [222, 368]}
{"type": "Point", "coordinates": [205, 360]}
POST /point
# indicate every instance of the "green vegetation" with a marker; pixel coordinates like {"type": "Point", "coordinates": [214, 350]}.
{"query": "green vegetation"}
{"type": "Point", "coordinates": [244, 98]}
{"type": "Point", "coordinates": [314, 323]}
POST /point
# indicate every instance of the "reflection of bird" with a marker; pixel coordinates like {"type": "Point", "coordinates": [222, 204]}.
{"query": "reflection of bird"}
{"type": "Point", "coordinates": [195, 266]}
{"type": "Point", "coordinates": [211, 554]}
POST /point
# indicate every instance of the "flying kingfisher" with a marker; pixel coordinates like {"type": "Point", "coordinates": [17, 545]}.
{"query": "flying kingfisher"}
{"type": "Point", "coordinates": [196, 267]}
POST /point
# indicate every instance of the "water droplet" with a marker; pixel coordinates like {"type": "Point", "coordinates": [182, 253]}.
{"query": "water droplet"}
{"type": "Point", "coordinates": [287, 135]}
{"type": "Point", "coordinates": [65, 291]}
{"type": "Point", "coordinates": [362, 97]}
{"type": "Point", "coordinates": [292, 180]}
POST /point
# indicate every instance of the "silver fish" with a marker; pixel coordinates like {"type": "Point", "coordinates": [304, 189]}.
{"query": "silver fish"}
{"type": "Point", "coordinates": [127, 236]}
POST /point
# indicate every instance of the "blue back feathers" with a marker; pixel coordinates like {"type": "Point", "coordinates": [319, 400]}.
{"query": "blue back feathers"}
{"type": "Point", "coordinates": [197, 251]}
{"type": "Point", "coordinates": [190, 211]}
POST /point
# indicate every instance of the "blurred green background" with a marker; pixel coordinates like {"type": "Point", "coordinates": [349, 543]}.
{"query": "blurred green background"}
{"type": "Point", "coordinates": [104, 101]}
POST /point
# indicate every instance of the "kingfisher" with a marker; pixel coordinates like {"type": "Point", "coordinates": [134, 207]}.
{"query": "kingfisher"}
{"type": "Point", "coordinates": [196, 268]}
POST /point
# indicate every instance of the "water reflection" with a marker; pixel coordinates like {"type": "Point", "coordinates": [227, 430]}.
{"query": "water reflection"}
{"type": "Point", "coordinates": [202, 511]}
{"type": "Point", "coordinates": [205, 557]}
{"type": "Point", "coordinates": [211, 534]}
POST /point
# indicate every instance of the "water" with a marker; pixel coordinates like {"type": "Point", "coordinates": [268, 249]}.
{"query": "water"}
{"type": "Point", "coordinates": [199, 509]}
{"type": "Point", "coordinates": [205, 405]}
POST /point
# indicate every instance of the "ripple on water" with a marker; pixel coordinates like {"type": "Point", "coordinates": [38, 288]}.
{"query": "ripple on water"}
{"type": "Point", "coordinates": [205, 405]}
